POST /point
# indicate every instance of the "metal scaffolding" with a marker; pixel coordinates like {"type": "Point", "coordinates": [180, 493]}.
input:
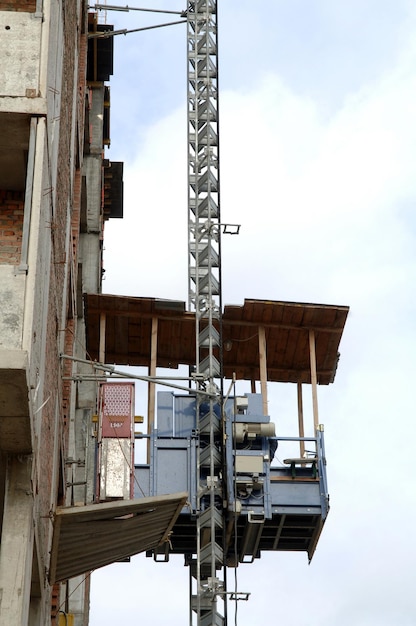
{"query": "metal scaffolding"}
{"type": "Point", "coordinates": [205, 299]}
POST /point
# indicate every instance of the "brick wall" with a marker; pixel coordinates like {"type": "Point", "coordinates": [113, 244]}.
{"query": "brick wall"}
{"type": "Point", "coordinates": [18, 5]}
{"type": "Point", "coordinates": [64, 264]}
{"type": "Point", "coordinates": [55, 605]}
{"type": "Point", "coordinates": [70, 328]}
{"type": "Point", "coordinates": [11, 225]}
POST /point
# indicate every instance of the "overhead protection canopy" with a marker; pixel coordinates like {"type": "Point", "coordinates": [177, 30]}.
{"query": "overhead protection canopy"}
{"type": "Point", "coordinates": [88, 537]}
{"type": "Point", "coordinates": [127, 324]}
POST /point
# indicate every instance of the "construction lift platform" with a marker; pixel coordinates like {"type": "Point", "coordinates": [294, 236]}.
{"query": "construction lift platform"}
{"type": "Point", "coordinates": [251, 486]}
{"type": "Point", "coordinates": [271, 504]}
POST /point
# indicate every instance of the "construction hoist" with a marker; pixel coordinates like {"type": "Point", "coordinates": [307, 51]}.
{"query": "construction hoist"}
{"type": "Point", "coordinates": [220, 446]}
{"type": "Point", "coordinates": [204, 239]}
{"type": "Point", "coordinates": [205, 300]}
{"type": "Point", "coordinates": [204, 297]}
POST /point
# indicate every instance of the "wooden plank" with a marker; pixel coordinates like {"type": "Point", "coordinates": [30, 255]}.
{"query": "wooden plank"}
{"type": "Point", "coordinates": [314, 379]}
{"type": "Point", "coordinates": [101, 355]}
{"type": "Point", "coordinates": [263, 368]}
{"type": "Point", "coordinates": [300, 419]}
{"type": "Point", "coordinates": [151, 386]}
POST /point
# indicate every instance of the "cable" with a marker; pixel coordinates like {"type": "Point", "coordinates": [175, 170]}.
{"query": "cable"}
{"type": "Point", "coordinates": [81, 345]}
{"type": "Point", "coordinates": [73, 591]}
{"type": "Point", "coordinates": [112, 7]}
{"type": "Point", "coordinates": [243, 340]}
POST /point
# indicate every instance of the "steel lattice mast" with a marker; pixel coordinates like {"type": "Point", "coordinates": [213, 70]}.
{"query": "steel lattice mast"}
{"type": "Point", "coordinates": [205, 300]}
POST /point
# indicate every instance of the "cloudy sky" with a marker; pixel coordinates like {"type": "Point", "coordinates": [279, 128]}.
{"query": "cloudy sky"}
{"type": "Point", "coordinates": [318, 162]}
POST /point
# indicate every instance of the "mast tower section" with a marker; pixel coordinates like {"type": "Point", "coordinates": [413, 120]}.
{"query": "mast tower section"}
{"type": "Point", "coordinates": [204, 275]}
{"type": "Point", "coordinates": [203, 179]}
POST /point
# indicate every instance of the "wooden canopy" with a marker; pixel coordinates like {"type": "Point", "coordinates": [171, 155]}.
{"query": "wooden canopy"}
{"type": "Point", "coordinates": [119, 331]}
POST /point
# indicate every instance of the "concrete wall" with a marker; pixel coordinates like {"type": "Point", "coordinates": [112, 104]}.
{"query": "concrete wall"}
{"type": "Point", "coordinates": [19, 53]}
{"type": "Point", "coordinates": [12, 287]}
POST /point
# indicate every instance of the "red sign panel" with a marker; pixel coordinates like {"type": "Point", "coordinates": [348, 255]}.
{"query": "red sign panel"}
{"type": "Point", "coordinates": [117, 409]}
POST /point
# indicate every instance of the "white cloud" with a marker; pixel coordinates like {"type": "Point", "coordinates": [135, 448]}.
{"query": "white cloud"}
{"type": "Point", "coordinates": [317, 194]}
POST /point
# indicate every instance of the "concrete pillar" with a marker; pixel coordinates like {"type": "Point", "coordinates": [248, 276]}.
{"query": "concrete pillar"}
{"type": "Point", "coordinates": [16, 543]}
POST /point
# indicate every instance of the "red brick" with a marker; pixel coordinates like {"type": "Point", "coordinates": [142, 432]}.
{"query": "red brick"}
{"type": "Point", "coordinates": [11, 223]}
